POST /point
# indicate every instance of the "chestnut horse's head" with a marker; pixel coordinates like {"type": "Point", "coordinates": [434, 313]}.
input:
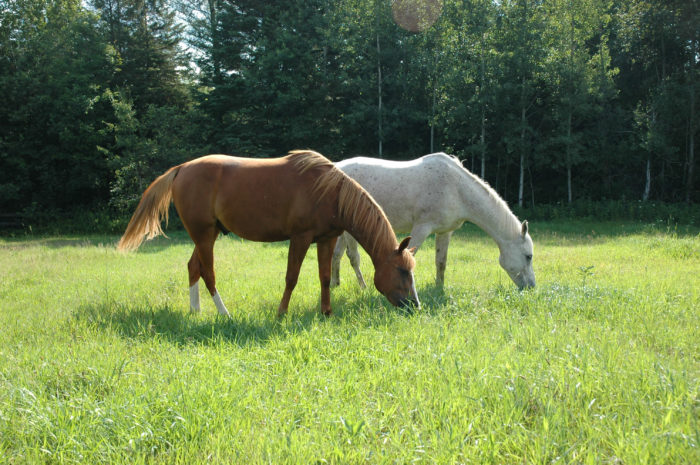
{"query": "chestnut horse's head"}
{"type": "Point", "coordinates": [393, 277]}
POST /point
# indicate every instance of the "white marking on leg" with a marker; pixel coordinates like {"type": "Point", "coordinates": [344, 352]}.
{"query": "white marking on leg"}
{"type": "Point", "coordinates": [220, 304]}
{"type": "Point", "coordinates": [194, 298]}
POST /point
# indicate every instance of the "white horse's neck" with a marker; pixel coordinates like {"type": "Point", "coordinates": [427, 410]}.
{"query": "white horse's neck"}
{"type": "Point", "coordinates": [485, 208]}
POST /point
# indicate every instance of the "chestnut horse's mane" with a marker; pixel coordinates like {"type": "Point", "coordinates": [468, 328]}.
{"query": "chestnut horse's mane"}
{"type": "Point", "coordinates": [355, 205]}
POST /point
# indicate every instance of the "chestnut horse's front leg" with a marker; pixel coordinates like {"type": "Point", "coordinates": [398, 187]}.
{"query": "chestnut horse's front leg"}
{"type": "Point", "coordinates": [325, 254]}
{"type": "Point", "coordinates": [298, 245]}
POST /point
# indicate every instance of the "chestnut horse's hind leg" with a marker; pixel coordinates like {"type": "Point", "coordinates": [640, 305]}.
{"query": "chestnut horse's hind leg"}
{"type": "Point", "coordinates": [298, 245]}
{"type": "Point", "coordinates": [324, 250]}
{"type": "Point", "coordinates": [193, 267]}
{"type": "Point", "coordinates": [205, 251]}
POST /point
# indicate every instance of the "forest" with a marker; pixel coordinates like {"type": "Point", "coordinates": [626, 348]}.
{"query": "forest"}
{"type": "Point", "coordinates": [550, 101]}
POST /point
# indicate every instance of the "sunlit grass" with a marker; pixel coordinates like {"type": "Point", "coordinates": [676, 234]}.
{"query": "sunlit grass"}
{"type": "Point", "coordinates": [101, 361]}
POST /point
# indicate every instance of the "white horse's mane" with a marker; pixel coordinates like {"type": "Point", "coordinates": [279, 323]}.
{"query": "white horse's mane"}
{"type": "Point", "coordinates": [507, 221]}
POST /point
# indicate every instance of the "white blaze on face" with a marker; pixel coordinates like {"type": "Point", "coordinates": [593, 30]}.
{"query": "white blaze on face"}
{"type": "Point", "coordinates": [414, 293]}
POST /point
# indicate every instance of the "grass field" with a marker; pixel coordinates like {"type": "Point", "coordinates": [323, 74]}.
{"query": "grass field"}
{"type": "Point", "coordinates": [101, 362]}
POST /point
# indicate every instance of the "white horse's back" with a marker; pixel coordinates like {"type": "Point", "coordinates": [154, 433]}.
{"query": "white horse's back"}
{"type": "Point", "coordinates": [435, 194]}
{"type": "Point", "coordinates": [428, 184]}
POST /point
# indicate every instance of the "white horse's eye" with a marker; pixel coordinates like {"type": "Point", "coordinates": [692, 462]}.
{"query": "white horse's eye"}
{"type": "Point", "coordinates": [528, 258]}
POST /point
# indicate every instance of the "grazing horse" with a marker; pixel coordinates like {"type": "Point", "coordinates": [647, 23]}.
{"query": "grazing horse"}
{"type": "Point", "coordinates": [302, 197]}
{"type": "Point", "coordinates": [435, 194]}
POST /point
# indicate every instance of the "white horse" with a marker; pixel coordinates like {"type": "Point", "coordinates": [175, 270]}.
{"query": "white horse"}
{"type": "Point", "coordinates": [435, 194]}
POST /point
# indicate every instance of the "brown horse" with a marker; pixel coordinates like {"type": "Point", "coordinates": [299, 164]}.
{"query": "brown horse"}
{"type": "Point", "coordinates": [302, 197]}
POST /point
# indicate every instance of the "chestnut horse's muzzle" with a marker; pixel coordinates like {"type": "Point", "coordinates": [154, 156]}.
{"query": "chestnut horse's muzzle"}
{"type": "Point", "coordinates": [409, 303]}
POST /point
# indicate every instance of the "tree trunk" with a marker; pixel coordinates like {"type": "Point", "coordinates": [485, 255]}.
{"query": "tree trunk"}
{"type": "Point", "coordinates": [483, 143]}
{"type": "Point", "coordinates": [532, 188]}
{"type": "Point", "coordinates": [523, 125]}
{"type": "Point", "coordinates": [213, 19]}
{"type": "Point", "coordinates": [691, 141]}
{"type": "Point", "coordinates": [379, 98]}
{"type": "Point", "coordinates": [691, 148]}
{"type": "Point", "coordinates": [521, 181]}
{"type": "Point", "coordinates": [647, 185]}
{"type": "Point", "coordinates": [432, 121]}
{"type": "Point", "coordinates": [568, 159]}
{"type": "Point", "coordinates": [483, 107]}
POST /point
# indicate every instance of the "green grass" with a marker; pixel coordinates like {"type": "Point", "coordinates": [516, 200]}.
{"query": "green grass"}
{"type": "Point", "coordinates": [101, 362]}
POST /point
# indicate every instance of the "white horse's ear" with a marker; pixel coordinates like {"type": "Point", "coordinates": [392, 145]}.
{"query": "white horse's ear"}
{"type": "Point", "coordinates": [524, 228]}
{"type": "Point", "coordinates": [404, 244]}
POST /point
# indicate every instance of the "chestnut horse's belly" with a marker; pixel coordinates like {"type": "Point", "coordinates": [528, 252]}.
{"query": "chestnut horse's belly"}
{"type": "Point", "coordinates": [252, 233]}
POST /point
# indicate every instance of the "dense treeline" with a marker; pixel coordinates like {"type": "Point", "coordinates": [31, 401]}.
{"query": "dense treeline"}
{"type": "Point", "coordinates": [549, 100]}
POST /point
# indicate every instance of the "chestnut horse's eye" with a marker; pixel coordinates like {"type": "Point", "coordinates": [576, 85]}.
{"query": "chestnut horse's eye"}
{"type": "Point", "coordinates": [404, 273]}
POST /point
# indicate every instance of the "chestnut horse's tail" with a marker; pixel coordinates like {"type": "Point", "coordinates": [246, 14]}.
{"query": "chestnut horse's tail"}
{"type": "Point", "coordinates": [151, 210]}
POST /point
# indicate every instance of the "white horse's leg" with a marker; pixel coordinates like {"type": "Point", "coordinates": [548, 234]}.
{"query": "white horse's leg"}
{"type": "Point", "coordinates": [338, 252]}
{"type": "Point", "coordinates": [194, 298]}
{"type": "Point", "coordinates": [418, 234]}
{"type": "Point", "coordinates": [442, 243]}
{"type": "Point", "coordinates": [354, 257]}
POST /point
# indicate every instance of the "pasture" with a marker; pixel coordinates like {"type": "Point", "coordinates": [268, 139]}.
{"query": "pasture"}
{"type": "Point", "coordinates": [101, 361]}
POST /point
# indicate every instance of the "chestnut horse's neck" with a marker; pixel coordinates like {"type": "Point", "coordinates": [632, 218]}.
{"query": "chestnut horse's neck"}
{"type": "Point", "coordinates": [358, 213]}
{"type": "Point", "coordinates": [364, 220]}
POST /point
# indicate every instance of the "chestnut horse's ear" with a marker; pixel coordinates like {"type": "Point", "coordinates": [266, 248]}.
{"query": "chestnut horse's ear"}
{"type": "Point", "coordinates": [413, 250]}
{"type": "Point", "coordinates": [524, 228]}
{"type": "Point", "coordinates": [404, 244]}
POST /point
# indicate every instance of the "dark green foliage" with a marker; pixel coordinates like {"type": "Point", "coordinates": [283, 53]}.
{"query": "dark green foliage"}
{"type": "Point", "coordinates": [553, 102]}
{"type": "Point", "coordinates": [53, 64]}
{"type": "Point", "coordinates": [651, 212]}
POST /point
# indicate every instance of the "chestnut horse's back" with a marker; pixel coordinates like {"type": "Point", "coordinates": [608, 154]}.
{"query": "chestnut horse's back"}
{"type": "Point", "coordinates": [262, 200]}
{"type": "Point", "coordinates": [257, 199]}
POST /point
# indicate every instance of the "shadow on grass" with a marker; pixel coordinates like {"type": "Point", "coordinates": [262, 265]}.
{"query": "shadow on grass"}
{"type": "Point", "coordinates": [109, 241]}
{"type": "Point", "coordinates": [184, 328]}
{"type": "Point", "coordinates": [155, 245]}
{"type": "Point", "coordinates": [142, 322]}
{"type": "Point", "coordinates": [25, 242]}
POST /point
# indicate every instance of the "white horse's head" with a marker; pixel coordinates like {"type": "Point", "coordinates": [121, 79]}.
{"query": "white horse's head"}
{"type": "Point", "coordinates": [516, 258]}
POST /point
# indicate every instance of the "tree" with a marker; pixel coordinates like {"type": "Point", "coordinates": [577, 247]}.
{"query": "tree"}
{"type": "Point", "coordinates": [520, 36]}
{"type": "Point", "coordinates": [655, 55]}
{"type": "Point", "coordinates": [469, 65]}
{"type": "Point", "coordinates": [578, 69]}
{"type": "Point", "coordinates": [53, 75]}
{"type": "Point", "coordinates": [274, 90]}
{"type": "Point", "coordinates": [146, 38]}
{"type": "Point", "coordinates": [147, 95]}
